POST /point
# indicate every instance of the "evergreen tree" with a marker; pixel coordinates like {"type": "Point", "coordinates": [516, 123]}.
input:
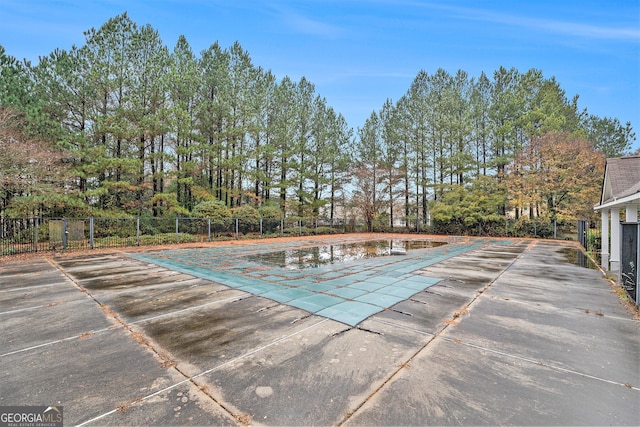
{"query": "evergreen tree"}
{"type": "Point", "coordinates": [338, 151]}
{"type": "Point", "coordinates": [15, 83]}
{"type": "Point", "coordinates": [507, 109]}
{"type": "Point", "coordinates": [150, 62]}
{"type": "Point", "coordinates": [305, 109]}
{"type": "Point", "coordinates": [283, 134]}
{"type": "Point", "coordinates": [481, 125]}
{"type": "Point", "coordinates": [390, 155]}
{"type": "Point", "coordinates": [608, 135]}
{"type": "Point", "coordinates": [368, 169]}
{"type": "Point", "coordinates": [183, 85]}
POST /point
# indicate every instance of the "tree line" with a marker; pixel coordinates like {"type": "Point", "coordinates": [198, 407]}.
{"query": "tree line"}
{"type": "Point", "coordinates": [124, 125]}
{"type": "Point", "coordinates": [146, 130]}
{"type": "Point", "coordinates": [466, 151]}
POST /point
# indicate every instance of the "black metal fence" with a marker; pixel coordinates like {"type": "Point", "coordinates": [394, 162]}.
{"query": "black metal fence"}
{"type": "Point", "coordinates": [25, 235]}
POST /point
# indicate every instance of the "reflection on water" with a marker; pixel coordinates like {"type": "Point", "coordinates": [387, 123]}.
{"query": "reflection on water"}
{"type": "Point", "coordinates": [578, 257]}
{"type": "Point", "coordinates": [333, 254]}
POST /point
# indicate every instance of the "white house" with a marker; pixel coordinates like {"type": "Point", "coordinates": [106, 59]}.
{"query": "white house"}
{"type": "Point", "coordinates": [620, 191]}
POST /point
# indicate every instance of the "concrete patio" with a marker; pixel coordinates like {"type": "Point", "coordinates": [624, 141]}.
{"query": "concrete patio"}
{"type": "Point", "coordinates": [475, 332]}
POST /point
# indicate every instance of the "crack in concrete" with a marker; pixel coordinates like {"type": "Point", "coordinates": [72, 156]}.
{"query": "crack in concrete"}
{"type": "Point", "coordinates": [353, 412]}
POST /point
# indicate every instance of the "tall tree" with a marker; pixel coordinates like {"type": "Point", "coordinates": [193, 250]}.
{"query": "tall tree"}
{"type": "Point", "coordinates": [339, 152]}
{"type": "Point", "coordinates": [390, 154]}
{"type": "Point", "coordinates": [108, 76]}
{"type": "Point", "coordinates": [368, 169]}
{"type": "Point", "coordinates": [608, 135]}
{"type": "Point", "coordinates": [481, 129]}
{"type": "Point", "coordinates": [419, 136]}
{"type": "Point", "coordinates": [403, 131]}
{"type": "Point", "coordinates": [150, 63]}
{"type": "Point", "coordinates": [213, 115]}
{"type": "Point", "coordinates": [183, 85]}
{"type": "Point", "coordinates": [460, 126]}
{"type": "Point", "coordinates": [547, 109]}
{"type": "Point", "coordinates": [305, 108]}
{"type": "Point", "coordinates": [507, 108]}
{"type": "Point", "coordinates": [260, 132]}
{"type": "Point", "coordinates": [61, 83]}
{"type": "Point", "coordinates": [242, 79]}
{"type": "Point", "coordinates": [319, 151]}
{"type": "Point", "coordinates": [439, 99]}
{"type": "Point", "coordinates": [283, 133]}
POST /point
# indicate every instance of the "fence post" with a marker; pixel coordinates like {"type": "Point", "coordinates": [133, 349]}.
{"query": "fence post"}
{"type": "Point", "coordinates": [555, 229]}
{"type": "Point", "coordinates": [582, 233]}
{"type": "Point", "coordinates": [91, 230]}
{"type": "Point", "coordinates": [281, 227]}
{"type": "Point", "coordinates": [64, 233]}
{"type": "Point", "coordinates": [36, 236]}
{"type": "Point", "coordinates": [209, 229]}
{"type": "Point", "coordinates": [138, 231]}
{"type": "Point", "coordinates": [236, 228]}
{"type": "Point", "coordinates": [261, 228]}
{"type": "Point", "coordinates": [177, 238]}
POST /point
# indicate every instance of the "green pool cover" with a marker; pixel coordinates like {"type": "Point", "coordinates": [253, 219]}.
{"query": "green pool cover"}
{"type": "Point", "coordinates": [347, 292]}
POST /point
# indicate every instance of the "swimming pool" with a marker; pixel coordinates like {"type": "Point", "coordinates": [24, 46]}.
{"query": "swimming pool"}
{"type": "Point", "coordinates": [313, 257]}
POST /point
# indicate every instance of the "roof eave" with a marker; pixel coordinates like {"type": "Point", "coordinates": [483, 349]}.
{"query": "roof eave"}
{"type": "Point", "coordinates": [631, 199]}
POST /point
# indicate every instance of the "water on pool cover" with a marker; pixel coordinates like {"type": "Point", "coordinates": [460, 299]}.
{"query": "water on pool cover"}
{"type": "Point", "coordinates": [345, 294]}
{"type": "Point", "coordinates": [317, 256]}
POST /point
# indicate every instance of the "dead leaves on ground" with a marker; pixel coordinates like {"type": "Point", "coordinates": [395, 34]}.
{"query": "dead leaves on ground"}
{"type": "Point", "coordinates": [456, 315]}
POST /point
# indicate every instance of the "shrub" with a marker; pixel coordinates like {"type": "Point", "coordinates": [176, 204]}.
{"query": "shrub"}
{"type": "Point", "coordinates": [248, 218]}
{"type": "Point", "coordinates": [594, 241]}
{"type": "Point", "coordinates": [538, 227]}
{"type": "Point", "coordinates": [381, 222]}
{"type": "Point", "coordinates": [247, 212]}
{"type": "Point", "coordinates": [270, 210]}
{"type": "Point", "coordinates": [214, 209]}
{"type": "Point", "coordinates": [326, 230]}
{"type": "Point", "coordinates": [167, 238]}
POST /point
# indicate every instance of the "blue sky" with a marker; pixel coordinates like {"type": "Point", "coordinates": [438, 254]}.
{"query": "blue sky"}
{"type": "Point", "coordinates": [360, 52]}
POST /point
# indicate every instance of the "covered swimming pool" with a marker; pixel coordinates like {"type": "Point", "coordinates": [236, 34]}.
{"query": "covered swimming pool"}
{"type": "Point", "coordinates": [345, 281]}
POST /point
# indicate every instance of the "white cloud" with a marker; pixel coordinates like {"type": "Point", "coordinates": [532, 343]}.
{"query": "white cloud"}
{"type": "Point", "coordinates": [550, 25]}
{"type": "Point", "coordinates": [562, 27]}
{"type": "Point", "coordinates": [305, 25]}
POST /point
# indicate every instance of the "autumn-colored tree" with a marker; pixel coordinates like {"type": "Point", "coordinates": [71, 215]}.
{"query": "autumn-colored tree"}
{"type": "Point", "coordinates": [556, 175]}
{"type": "Point", "coordinates": [366, 195]}
{"type": "Point", "coordinates": [32, 174]}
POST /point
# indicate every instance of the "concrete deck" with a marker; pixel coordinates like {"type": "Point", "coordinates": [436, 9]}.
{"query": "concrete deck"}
{"type": "Point", "coordinates": [497, 332]}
